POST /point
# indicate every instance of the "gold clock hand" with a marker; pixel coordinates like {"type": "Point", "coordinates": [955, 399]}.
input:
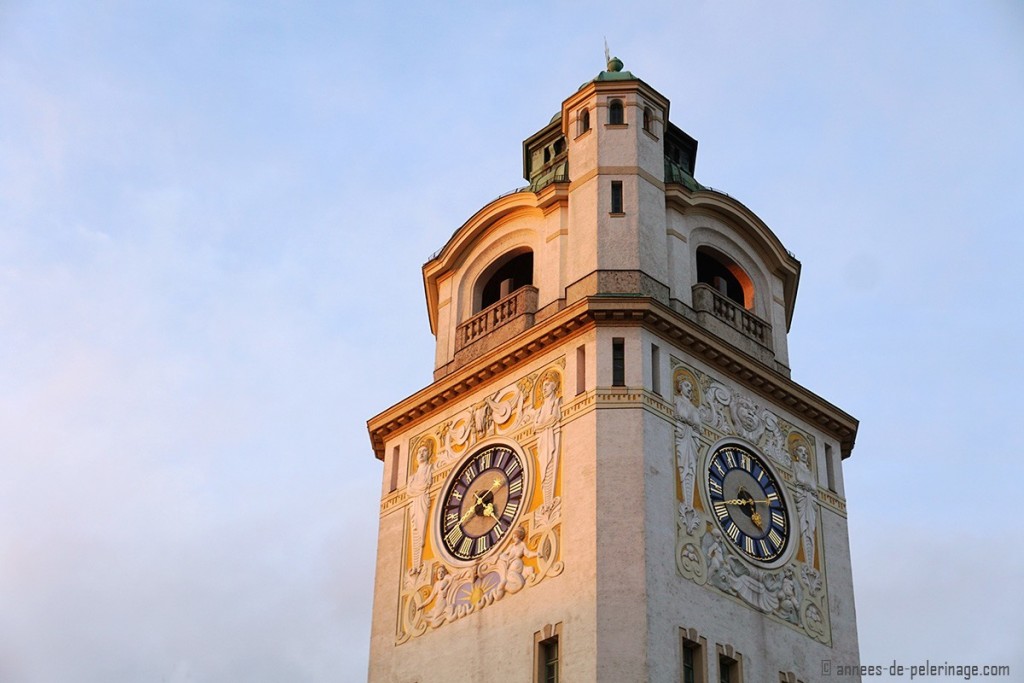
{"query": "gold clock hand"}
{"type": "Point", "coordinates": [469, 513]}
{"type": "Point", "coordinates": [743, 501]}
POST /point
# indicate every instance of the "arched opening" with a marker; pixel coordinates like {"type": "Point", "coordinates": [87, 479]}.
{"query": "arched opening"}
{"type": "Point", "coordinates": [615, 113]}
{"type": "Point", "coordinates": [648, 119]}
{"type": "Point", "coordinates": [727, 278]}
{"type": "Point", "coordinates": [509, 276]}
{"type": "Point", "coordinates": [583, 121]}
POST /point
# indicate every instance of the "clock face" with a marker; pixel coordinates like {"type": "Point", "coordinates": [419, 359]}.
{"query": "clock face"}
{"type": "Point", "coordinates": [747, 502]}
{"type": "Point", "coordinates": [481, 502]}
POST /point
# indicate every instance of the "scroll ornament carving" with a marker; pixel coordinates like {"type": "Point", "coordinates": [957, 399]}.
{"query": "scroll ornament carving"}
{"type": "Point", "coordinates": [500, 413]}
{"type": "Point", "coordinates": [453, 593]}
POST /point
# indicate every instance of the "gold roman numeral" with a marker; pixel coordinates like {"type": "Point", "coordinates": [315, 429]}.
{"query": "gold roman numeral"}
{"type": "Point", "coordinates": [453, 536]}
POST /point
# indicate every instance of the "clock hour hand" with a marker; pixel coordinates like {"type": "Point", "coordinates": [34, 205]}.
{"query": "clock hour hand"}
{"type": "Point", "coordinates": [469, 513]}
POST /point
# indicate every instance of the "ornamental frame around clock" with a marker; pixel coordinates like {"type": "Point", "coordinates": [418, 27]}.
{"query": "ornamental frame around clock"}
{"type": "Point", "coordinates": [736, 522]}
{"type": "Point", "coordinates": [511, 500]}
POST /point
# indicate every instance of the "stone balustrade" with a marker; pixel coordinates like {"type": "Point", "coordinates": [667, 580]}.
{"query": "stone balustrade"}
{"type": "Point", "coordinates": [519, 305]}
{"type": "Point", "coordinates": [707, 299]}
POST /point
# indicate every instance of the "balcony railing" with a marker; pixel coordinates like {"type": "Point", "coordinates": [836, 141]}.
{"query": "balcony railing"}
{"type": "Point", "coordinates": [522, 302]}
{"type": "Point", "coordinates": [707, 298]}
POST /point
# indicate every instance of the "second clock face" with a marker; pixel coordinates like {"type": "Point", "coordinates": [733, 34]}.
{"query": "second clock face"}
{"type": "Point", "coordinates": [481, 502]}
{"type": "Point", "coordinates": [747, 502]}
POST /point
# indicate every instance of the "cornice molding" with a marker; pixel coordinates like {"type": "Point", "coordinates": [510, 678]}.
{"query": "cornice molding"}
{"type": "Point", "coordinates": [617, 311]}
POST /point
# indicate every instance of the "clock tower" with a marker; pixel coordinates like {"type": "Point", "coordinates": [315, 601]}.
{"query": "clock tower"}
{"type": "Point", "coordinates": [612, 476]}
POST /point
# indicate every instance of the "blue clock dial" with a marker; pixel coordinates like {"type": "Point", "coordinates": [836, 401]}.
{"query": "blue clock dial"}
{"type": "Point", "coordinates": [747, 502]}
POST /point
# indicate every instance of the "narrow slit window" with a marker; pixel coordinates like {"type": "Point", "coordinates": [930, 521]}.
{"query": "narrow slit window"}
{"type": "Point", "coordinates": [830, 468]}
{"type": "Point", "coordinates": [655, 369]}
{"type": "Point", "coordinates": [618, 362]}
{"type": "Point", "coordinates": [616, 196]}
{"type": "Point", "coordinates": [393, 484]}
{"type": "Point", "coordinates": [581, 369]}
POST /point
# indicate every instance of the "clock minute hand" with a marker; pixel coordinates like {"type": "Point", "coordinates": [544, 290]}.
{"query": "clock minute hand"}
{"type": "Point", "coordinates": [743, 501]}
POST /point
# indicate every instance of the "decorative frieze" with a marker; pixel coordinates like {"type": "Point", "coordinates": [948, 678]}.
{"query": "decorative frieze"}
{"type": "Point", "coordinates": [790, 588]}
{"type": "Point", "coordinates": [437, 587]}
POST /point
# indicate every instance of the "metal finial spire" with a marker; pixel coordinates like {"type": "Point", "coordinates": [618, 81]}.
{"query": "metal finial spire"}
{"type": "Point", "coordinates": [607, 54]}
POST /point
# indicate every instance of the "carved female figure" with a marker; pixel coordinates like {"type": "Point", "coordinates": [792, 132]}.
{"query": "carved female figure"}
{"type": "Point", "coordinates": [439, 593]}
{"type": "Point", "coordinates": [547, 426]}
{"type": "Point", "coordinates": [419, 496]}
{"type": "Point", "coordinates": [510, 563]}
{"type": "Point", "coordinates": [687, 417]}
{"type": "Point", "coordinates": [806, 501]}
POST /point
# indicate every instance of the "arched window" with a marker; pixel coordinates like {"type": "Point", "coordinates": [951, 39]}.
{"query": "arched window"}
{"type": "Point", "coordinates": [648, 119]}
{"type": "Point", "coordinates": [509, 276]}
{"type": "Point", "coordinates": [615, 113]}
{"type": "Point", "coordinates": [582, 121]}
{"type": "Point", "coordinates": [727, 278]}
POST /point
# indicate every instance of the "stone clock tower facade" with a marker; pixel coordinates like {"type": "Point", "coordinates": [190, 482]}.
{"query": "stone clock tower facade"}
{"type": "Point", "coordinates": [612, 477]}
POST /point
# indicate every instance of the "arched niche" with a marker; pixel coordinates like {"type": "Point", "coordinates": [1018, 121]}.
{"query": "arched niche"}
{"type": "Point", "coordinates": [512, 237]}
{"type": "Point", "coordinates": [512, 270]}
{"type": "Point", "coordinates": [750, 287]}
{"type": "Point", "coordinates": [725, 276]}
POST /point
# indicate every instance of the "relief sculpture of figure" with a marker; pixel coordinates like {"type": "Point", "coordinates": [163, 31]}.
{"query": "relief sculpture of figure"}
{"type": "Point", "coordinates": [439, 594]}
{"type": "Point", "coordinates": [514, 572]}
{"type": "Point", "coordinates": [548, 428]}
{"type": "Point", "coordinates": [745, 419]}
{"type": "Point", "coordinates": [687, 417]}
{"type": "Point", "coordinates": [806, 501]}
{"type": "Point", "coordinates": [419, 496]}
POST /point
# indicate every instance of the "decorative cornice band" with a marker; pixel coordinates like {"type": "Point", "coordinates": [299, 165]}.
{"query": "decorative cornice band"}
{"type": "Point", "coordinates": [618, 311]}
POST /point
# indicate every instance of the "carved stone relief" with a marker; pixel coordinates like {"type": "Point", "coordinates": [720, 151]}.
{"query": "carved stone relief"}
{"type": "Point", "coordinates": [706, 411]}
{"type": "Point", "coordinates": [435, 589]}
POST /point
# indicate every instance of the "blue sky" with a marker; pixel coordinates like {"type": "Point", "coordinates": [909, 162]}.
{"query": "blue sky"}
{"type": "Point", "coordinates": [212, 222]}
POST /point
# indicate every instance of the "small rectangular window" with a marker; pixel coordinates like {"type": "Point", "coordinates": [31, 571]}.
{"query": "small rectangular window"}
{"type": "Point", "coordinates": [550, 658]}
{"type": "Point", "coordinates": [694, 665]}
{"type": "Point", "coordinates": [830, 468]}
{"type": "Point", "coordinates": [581, 369]}
{"type": "Point", "coordinates": [393, 484]}
{"type": "Point", "coordinates": [655, 369]}
{"type": "Point", "coordinates": [618, 362]}
{"type": "Point", "coordinates": [689, 663]}
{"type": "Point", "coordinates": [546, 656]}
{"type": "Point", "coordinates": [728, 670]}
{"type": "Point", "coordinates": [616, 196]}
